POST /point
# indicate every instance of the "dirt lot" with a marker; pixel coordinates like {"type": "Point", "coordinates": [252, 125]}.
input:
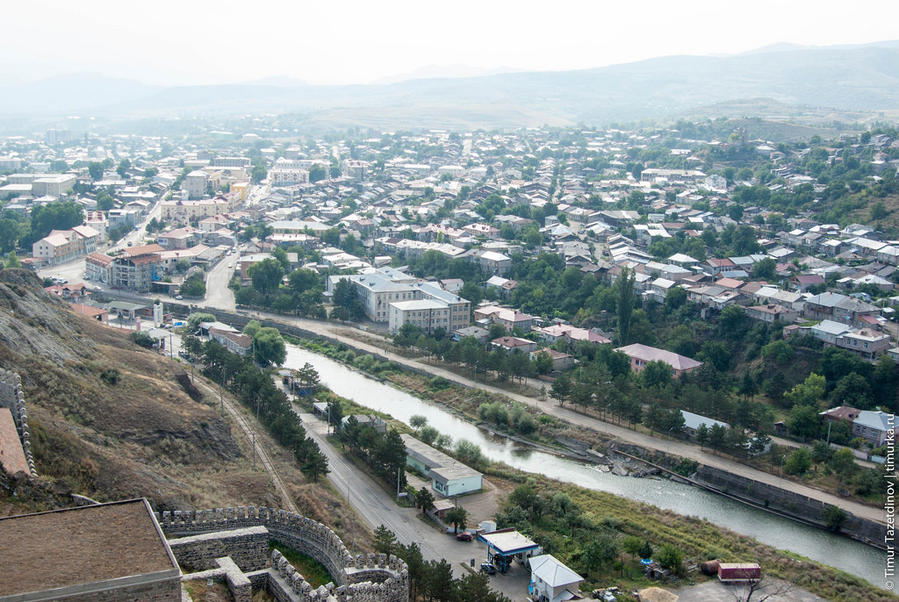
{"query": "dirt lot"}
{"type": "Point", "coordinates": [715, 591]}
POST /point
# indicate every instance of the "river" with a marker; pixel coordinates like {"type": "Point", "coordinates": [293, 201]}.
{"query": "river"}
{"type": "Point", "coordinates": [840, 552]}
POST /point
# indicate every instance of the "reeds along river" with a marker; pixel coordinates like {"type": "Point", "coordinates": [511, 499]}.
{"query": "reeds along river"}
{"type": "Point", "coordinates": [827, 548]}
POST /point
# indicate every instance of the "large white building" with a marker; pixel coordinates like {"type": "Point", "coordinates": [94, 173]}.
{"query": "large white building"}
{"type": "Point", "coordinates": [195, 184]}
{"type": "Point", "coordinates": [426, 314]}
{"type": "Point", "coordinates": [56, 184]}
{"type": "Point", "coordinates": [185, 210]}
{"type": "Point", "coordinates": [379, 289]}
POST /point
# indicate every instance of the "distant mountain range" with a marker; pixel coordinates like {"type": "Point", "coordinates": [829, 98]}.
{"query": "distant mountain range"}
{"type": "Point", "coordinates": [862, 78]}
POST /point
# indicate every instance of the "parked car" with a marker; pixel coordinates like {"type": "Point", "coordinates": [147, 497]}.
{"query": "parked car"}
{"type": "Point", "coordinates": [464, 536]}
{"type": "Point", "coordinates": [488, 568]}
{"type": "Point", "coordinates": [178, 297]}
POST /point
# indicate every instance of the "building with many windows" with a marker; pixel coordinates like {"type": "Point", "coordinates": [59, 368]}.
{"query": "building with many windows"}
{"type": "Point", "coordinates": [381, 288]}
{"type": "Point", "coordinates": [61, 246]}
{"type": "Point", "coordinates": [426, 314]}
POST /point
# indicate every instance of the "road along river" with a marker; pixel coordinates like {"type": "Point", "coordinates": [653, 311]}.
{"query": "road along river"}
{"type": "Point", "coordinates": [836, 551]}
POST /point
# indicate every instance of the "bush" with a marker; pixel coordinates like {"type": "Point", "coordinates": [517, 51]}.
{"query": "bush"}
{"type": "Point", "coordinates": [671, 558]}
{"type": "Point", "coordinates": [194, 287]}
{"type": "Point", "coordinates": [111, 376]}
{"type": "Point", "coordinates": [143, 339]}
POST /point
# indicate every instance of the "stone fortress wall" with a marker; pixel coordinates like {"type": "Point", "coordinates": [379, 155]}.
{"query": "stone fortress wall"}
{"type": "Point", "coordinates": [12, 397]}
{"type": "Point", "coordinates": [235, 538]}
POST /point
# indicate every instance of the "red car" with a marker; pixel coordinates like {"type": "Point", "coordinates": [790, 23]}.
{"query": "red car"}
{"type": "Point", "coordinates": [464, 536]}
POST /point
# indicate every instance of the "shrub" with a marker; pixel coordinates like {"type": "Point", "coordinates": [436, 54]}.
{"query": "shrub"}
{"type": "Point", "coordinates": [111, 376]}
{"type": "Point", "coordinates": [142, 339]}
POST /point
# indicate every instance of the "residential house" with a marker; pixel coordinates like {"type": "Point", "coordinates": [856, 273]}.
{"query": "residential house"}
{"type": "Point", "coordinates": [551, 334]}
{"type": "Point", "coordinates": [561, 361]}
{"type": "Point", "coordinates": [508, 318]}
{"type": "Point", "coordinates": [180, 238]}
{"type": "Point", "coordinates": [834, 306]}
{"type": "Point", "coordinates": [514, 343]}
{"type": "Point", "coordinates": [874, 426]}
{"type": "Point", "coordinates": [641, 355]}
{"type": "Point", "coordinates": [803, 282]}
{"type": "Point", "coordinates": [772, 313]}
{"type": "Point", "coordinates": [493, 262]}
{"type": "Point", "coordinates": [503, 285]}
{"type": "Point", "coordinates": [481, 335]}
{"type": "Point", "coordinates": [865, 342]}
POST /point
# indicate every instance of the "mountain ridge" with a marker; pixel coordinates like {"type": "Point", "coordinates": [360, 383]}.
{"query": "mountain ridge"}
{"type": "Point", "coordinates": [854, 78]}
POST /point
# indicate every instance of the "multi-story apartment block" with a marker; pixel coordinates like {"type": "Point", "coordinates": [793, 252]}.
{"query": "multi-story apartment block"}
{"type": "Point", "coordinates": [186, 210]}
{"type": "Point", "coordinates": [61, 246]}
{"type": "Point", "coordinates": [136, 268]}
{"type": "Point", "coordinates": [379, 289]}
{"type": "Point", "coordinates": [195, 184]}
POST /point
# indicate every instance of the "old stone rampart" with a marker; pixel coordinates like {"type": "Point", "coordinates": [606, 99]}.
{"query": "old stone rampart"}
{"type": "Point", "coordinates": [12, 397]}
{"type": "Point", "coordinates": [364, 578]}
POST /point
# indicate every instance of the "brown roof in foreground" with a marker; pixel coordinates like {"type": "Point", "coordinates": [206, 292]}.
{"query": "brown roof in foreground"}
{"type": "Point", "coordinates": [81, 545]}
{"type": "Point", "coordinates": [12, 457]}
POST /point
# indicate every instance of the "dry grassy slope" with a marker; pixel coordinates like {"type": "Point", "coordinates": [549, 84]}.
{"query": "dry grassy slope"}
{"type": "Point", "coordinates": [142, 436]}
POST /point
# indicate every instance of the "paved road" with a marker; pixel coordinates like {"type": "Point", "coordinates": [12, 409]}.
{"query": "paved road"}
{"type": "Point", "coordinates": [217, 292]}
{"type": "Point", "coordinates": [378, 508]}
{"type": "Point", "coordinates": [676, 448]}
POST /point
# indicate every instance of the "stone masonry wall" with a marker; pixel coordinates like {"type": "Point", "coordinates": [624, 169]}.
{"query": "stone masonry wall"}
{"type": "Point", "coordinates": [248, 548]}
{"type": "Point", "coordinates": [363, 578]}
{"type": "Point", "coordinates": [12, 397]}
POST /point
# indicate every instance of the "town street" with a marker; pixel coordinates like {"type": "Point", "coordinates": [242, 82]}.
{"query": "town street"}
{"type": "Point", "coordinates": [377, 507]}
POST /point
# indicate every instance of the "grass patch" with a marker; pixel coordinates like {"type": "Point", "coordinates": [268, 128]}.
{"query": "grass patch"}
{"type": "Point", "coordinates": [199, 590]}
{"type": "Point", "coordinates": [311, 569]}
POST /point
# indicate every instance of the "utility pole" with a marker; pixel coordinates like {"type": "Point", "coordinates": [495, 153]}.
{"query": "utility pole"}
{"type": "Point", "coordinates": [254, 451]}
{"type": "Point", "coordinates": [398, 473]}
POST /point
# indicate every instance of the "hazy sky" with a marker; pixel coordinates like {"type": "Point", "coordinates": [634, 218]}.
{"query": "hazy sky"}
{"type": "Point", "coordinates": [359, 41]}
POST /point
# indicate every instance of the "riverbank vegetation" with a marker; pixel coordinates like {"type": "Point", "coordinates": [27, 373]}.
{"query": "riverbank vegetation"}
{"type": "Point", "coordinates": [599, 535]}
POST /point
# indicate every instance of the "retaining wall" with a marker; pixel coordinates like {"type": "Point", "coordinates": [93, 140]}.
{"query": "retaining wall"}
{"type": "Point", "coordinates": [792, 505]}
